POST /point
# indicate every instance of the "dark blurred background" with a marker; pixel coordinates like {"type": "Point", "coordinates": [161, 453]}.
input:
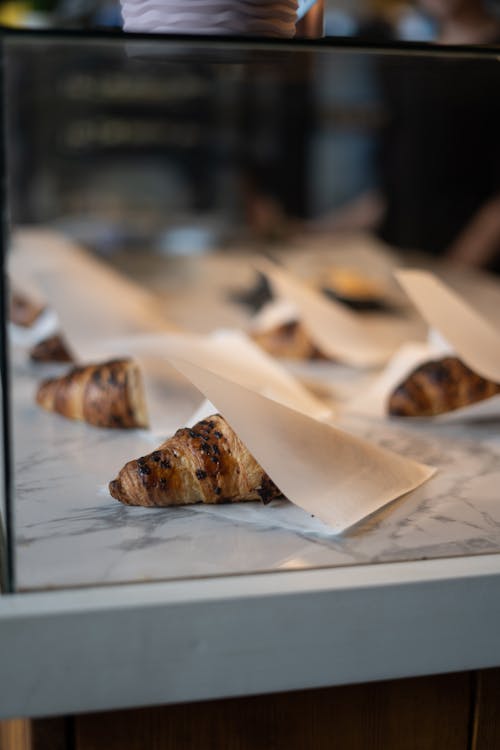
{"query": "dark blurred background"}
{"type": "Point", "coordinates": [133, 145]}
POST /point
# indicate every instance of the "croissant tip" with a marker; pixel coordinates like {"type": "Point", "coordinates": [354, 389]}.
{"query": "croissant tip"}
{"type": "Point", "coordinates": [115, 489]}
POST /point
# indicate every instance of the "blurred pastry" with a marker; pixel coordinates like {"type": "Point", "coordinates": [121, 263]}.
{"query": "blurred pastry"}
{"type": "Point", "coordinates": [52, 349]}
{"type": "Point", "coordinates": [288, 341]}
{"type": "Point", "coordinates": [205, 464]}
{"type": "Point", "coordinates": [353, 288]}
{"type": "Point", "coordinates": [23, 311]}
{"type": "Point", "coordinates": [110, 394]}
{"type": "Point", "coordinates": [438, 387]}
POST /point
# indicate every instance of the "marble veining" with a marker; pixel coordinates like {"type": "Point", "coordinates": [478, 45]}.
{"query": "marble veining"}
{"type": "Point", "coordinates": [70, 532]}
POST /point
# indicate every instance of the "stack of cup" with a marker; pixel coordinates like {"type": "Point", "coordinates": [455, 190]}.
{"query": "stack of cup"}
{"type": "Point", "coordinates": [245, 17]}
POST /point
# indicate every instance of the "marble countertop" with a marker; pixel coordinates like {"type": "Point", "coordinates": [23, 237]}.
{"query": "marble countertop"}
{"type": "Point", "coordinates": [70, 532]}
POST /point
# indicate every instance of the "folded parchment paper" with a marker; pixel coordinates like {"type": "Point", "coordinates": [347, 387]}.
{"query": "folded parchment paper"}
{"type": "Point", "coordinates": [336, 477]}
{"type": "Point", "coordinates": [456, 329]}
{"type": "Point", "coordinates": [103, 315]}
{"type": "Point", "coordinates": [231, 354]}
{"type": "Point", "coordinates": [472, 337]}
{"type": "Point", "coordinates": [90, 298]}
{"type": "Point", "coordinates": [359, 340]}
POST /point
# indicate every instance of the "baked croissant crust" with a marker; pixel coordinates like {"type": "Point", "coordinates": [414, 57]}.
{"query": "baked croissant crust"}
{"type": "Point", "coordinates": [110, 394]}
{"type": "Point", "coordinates": [52, 349]}
{"type": "Point", "coordinates": [288, 341]}
{"type": "Point", "coordinates": [205, 464]}
{"type": "Point", "coordinates": [437, 387]}
{"type": "Point", "coordinates": [23, 311]}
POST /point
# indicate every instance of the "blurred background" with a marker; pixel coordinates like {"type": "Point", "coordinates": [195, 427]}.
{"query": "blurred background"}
{"type": "Point", "coordinates": [341, 17]}
{"type": "Point", "coordinates": [124, 146]}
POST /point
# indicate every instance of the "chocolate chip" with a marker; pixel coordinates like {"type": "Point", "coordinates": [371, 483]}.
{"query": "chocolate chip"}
{"type": "Point", "coordinates": [144, 469]}
{"type": "Point", "coordinates": [165, 464]}
{"type": "Point", "coordinates": [112, 378]}
{"type": "Point", "coordinates": [163, 482]}
{"type": "Point", "coordinates": [201, 474]}
{"type": "Point", "coordinates": [156, 456]}
{"type": "Point", "coordinates": [217, 434]}
{"type": "Point", "coordinates": [217, 490]}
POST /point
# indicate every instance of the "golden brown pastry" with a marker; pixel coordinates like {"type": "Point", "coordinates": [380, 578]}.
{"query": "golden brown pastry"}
{"type": "Point", "coordinates": [52, 349]}
{"type": "Point", "coordinates": [288, 341]}
{"type": "Point", "coordinates": [438, 387]}
{"type": "Point", "coordinates": [22, 310]}
{"type": "Point", "coordinates": [350, 283]}
{"type": "Point", "coordinates": [105, 395]}
{"type": "Point", "coordinates": [205, 464]}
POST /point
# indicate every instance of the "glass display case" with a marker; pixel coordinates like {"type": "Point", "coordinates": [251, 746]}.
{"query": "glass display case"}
{"type": "Point", "coordinates": [143, 176]}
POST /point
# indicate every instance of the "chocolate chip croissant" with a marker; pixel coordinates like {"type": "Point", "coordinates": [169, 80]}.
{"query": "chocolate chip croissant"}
{"type": "Point", "coordinates": [205, 464]}
{"type": "Point", "coordinates": [110, 394]}
{"type": "Point", "coordinates": [52, 349]}
{"type": "Point", "coordinates": [437, 387]}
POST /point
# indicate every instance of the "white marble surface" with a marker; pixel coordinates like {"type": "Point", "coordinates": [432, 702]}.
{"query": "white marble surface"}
{"type": "Point", "coordinates": [70, 532]}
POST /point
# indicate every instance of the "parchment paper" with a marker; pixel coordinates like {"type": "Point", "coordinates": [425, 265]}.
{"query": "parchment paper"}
{"type": "Point", "coordinates": [231, 354]}
{"type": "Point", "coordinates": [359, 340]}
{"type": "Point", "coordinates": [103, 316]}
{"type": "Point", "coordinates": [456, 329]}
{"type": "Point", "coordinates": [336, 477]}
{"type": "Point", "coordinates": [472, 337]}
{"type": "Point", "coordinates": [89, 297]}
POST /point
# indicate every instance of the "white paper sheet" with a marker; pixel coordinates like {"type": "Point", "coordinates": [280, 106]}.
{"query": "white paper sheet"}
{"type": "Point", "coordinates": [231, 354]}
{"type": "Point", "coordinates": [276, 313]}
{"type": "Point", "coordinates": [457, 329]}
{"type": "Point", "coordinates": [90, 298]}
{"type": "Point", "coordinates": [104, 315]}
{"type": "Point", "coordinates": [330, 474]}
{"type": "Point", "coordinates": [472, 337]}
{"type": "Point", "coordinates": [359, 340]}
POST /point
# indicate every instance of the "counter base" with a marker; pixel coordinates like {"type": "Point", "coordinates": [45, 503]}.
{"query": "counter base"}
{"type": "Point", "coordinates": [454, 711]}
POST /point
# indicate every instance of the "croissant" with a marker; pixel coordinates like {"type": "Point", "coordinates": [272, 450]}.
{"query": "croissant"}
{"type": "Point", "coordinates": [52, 349]}
{"type": "Point", "coordinates": [288, 341]}
{"type": "Point", "coordinates": [105, 395]}
{"type": "Point", "coordinates": [23, 311]}
{"type": "Point", "coordinates": [437, 387]}
{"type": "Point", "coordinates": [205, 464]}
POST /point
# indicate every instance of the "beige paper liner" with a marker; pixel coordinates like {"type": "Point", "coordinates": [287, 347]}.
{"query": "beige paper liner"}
{"type": "Point", "coordinates": [233, 355]}
{"type": "Point", "coordinates": [103, 315]}
{"type": "Point", "coordinates": [276, 313]}
{"type": "Point", "coordinates": [456, 329]}
{"type": "Point", "coordinates": [91, 302]}
{"type": "Point", "coordinates": [372, 401]}
{"type": "Point", "coordinates": [90, 298]}
{"type": "Point", "coordinates": [472, 337]}
{"type": "Point", "coordinates": [361, 341]}
{"type": "Point", "coordinates": [331, 474]}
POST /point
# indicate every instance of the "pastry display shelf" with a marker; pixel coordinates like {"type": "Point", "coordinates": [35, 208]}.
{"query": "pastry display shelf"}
{"type": "Point", "coordinates": [116, 607]}
{"type": "Point", "coordinates": [94, 649]}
